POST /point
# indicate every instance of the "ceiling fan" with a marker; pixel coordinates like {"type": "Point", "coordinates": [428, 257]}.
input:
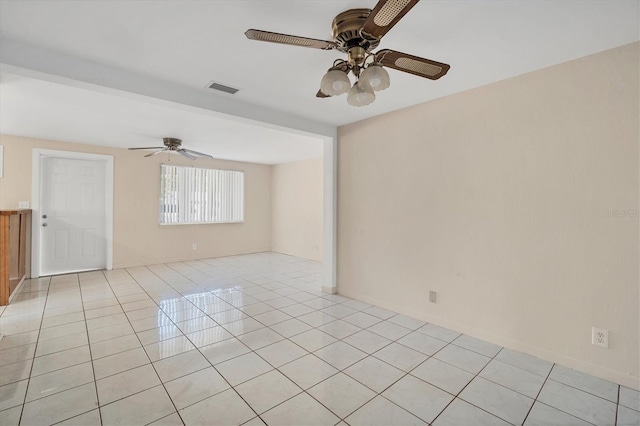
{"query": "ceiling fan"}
{"type": "Point", "coordinates": [174, 145]}
{"type": "Point", "coordinates": [357, 32]}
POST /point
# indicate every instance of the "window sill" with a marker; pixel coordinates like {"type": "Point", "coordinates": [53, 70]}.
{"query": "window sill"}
{"type": "Point", "coordinates": [199, 223]}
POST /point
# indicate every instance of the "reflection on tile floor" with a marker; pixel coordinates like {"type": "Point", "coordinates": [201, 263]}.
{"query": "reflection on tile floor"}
{"type": "Point", "coordinates": [251, 340]}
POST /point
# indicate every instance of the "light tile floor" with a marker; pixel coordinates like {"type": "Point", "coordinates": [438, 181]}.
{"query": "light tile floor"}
{"type": "Point", "coordinates": [251, 340]}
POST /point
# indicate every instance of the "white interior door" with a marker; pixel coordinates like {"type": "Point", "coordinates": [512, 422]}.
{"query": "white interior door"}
{"type": "Point", "coordinates": [72, 214]}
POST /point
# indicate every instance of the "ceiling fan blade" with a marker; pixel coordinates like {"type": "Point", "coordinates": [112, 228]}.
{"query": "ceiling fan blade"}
{"type": "Point", "coordinates": [156, 152]}
{"type": "Point", "coordinates": [184, 153]}
{"type": "Point", "coordinates": [201, 154]}
{"type": "Point", "coordinates": [148, 147]}
{"type": "Point", "coordinates": [385, 15]}
{"type": "Point", "coordinates": [412, 64]}
{"type": "Point", "coordinates": [322, 95]}
{"type": "Point", "coordinates": [289, 39]}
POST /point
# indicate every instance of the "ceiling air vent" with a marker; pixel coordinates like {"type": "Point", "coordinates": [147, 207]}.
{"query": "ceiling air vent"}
{"type": "Point", "coordinates": [221, 87]}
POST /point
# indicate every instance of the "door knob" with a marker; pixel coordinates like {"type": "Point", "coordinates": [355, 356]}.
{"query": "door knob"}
{"type": "Point", "coordinates": [44, 216]}
{"type": "Point", "coordinates": [44, 224]}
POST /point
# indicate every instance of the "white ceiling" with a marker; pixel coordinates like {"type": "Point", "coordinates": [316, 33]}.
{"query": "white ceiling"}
{"type": "Point", "coordinates": [42, 109]}
{"type": "Point", "coordinates": [187, 44]}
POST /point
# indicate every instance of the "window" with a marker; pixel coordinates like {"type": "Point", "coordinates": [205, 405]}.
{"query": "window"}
{"type": "Point", "coordinates": [194, 195]}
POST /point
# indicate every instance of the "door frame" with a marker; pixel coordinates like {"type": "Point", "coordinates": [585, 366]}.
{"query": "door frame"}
{"type": "Point", "coordinates": [38, 156]}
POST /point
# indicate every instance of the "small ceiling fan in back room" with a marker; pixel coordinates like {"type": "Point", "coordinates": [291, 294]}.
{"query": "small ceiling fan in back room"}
{"type": "Point", "coordinates": [357, 32]}
{"type": "Point", "coordinates": [174, 145]}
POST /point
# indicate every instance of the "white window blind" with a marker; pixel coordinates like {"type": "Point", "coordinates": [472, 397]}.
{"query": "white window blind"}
{"type": "Point", "coordinates": [194, 195]}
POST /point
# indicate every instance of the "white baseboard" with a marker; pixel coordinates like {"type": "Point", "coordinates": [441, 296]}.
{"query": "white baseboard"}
{"type": "Point", "coordinates": [17, 289]}
{"type": "Point", "coordinates": [329, 290]}
{"type": "Point", "coordinates": [618, 377]}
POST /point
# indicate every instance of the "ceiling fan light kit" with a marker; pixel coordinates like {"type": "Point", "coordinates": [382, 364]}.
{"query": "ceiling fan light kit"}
{"type": "Point", "coordinates": [357, 32]}
{"type": "Point", "coordinates": [360, 94]}
{"type": "Point", "coordinates": [375, 76]}
{"type": "Point", "coordinates": [371, 77]}
{"type": "Point", "coordinates": [335, 82]}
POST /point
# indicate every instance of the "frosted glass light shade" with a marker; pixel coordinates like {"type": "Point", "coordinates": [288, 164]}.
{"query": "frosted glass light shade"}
{"type": "Point", "coordinates": [376, 77]}
{"type": "Point", "coordinates": [360, 95]}
{"type": "Point", "coordinates": [335, 82]}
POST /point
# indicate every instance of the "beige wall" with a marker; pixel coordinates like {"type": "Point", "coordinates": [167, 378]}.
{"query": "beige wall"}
{"type": "Point", "coordinates": [297, 208]}
{"type": "Point", "coordinates": [138, 239]}
{"type": "Point", "coordinates": [496, 198]}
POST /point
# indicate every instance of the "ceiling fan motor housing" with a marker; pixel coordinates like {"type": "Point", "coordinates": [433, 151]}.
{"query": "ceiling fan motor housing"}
{"type": "Point", "coordinates": [346, 30]}
{"type": "Point", "coordinates": [172, 143]}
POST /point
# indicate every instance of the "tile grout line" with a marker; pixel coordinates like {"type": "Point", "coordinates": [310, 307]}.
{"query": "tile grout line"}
{"type": "Point", "coordinates": [617, 406]}
{"type": "Point", "coordinates": [457, 396]}
{"type": "Point", "coordinates": [93, 370]}
{"type": "Point", "coordinates": [582, 390]}
{"type": "Point", "coordinates": [90, 361]}
{"type": "Point", "coordinates": [579, 390]}
{"type": "Point", "coordinates": [538, 394]}
{"type": "Point", "coordinates": [38, 341]}
{"type": "Point", "coordinates": [145, 352]}
{"type": "Point", "coordinates": [33, 361]}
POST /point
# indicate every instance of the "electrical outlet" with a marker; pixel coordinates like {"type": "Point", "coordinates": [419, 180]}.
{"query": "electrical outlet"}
{"type": "Point", "coordinates": [600, 337]}
{"type": "Point", "coordinates": [433, 296]}
{"type": "Point", "coordinates": [194, 246]}
{"type": "Point", "coordinates": [23, 204]}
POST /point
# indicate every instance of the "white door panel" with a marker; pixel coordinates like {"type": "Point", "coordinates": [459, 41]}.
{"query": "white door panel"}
{"type": "Point", "coordinates": [73, 218]}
